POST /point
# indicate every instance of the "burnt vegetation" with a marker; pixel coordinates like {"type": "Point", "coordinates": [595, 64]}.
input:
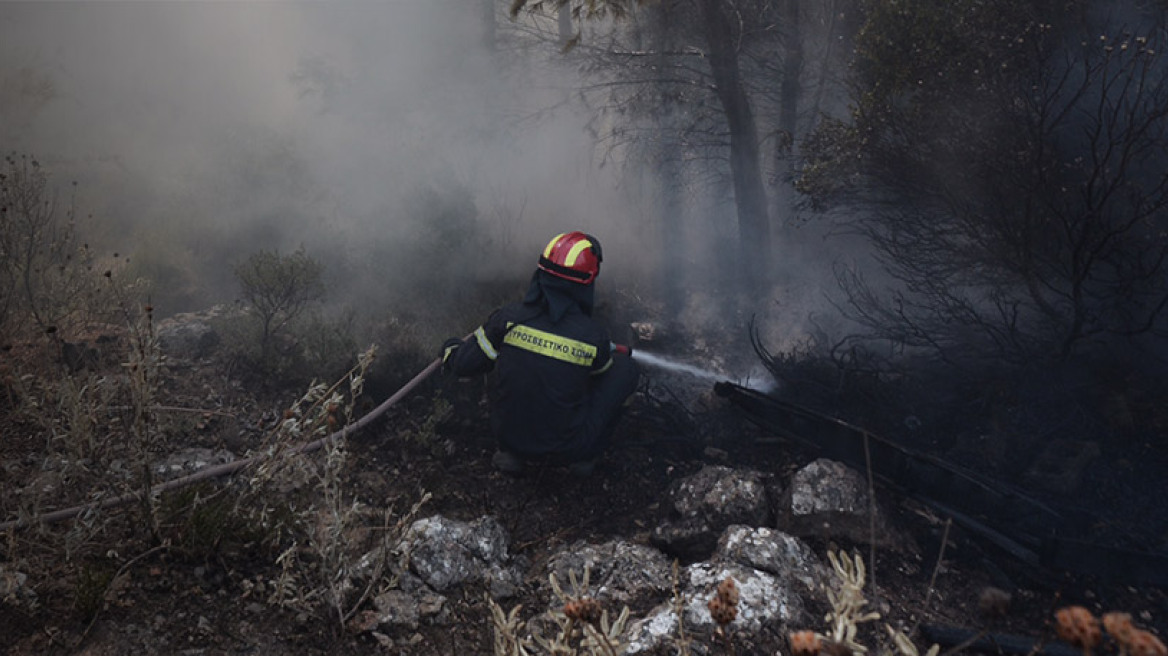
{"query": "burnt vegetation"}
{"type": "Point", "coordinates": [1007, 171]}
{"type": "Point", "coordinates": [1011, 186]}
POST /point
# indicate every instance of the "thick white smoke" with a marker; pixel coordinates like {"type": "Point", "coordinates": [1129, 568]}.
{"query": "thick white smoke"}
{"type": "Point", "coordinates": [238, 126]}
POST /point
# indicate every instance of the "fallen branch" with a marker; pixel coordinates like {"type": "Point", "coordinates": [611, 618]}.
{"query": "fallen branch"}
{"type": "Point", "coordinates": [226, 468]}
{"type": "Point", "coordinates": [174, 408]}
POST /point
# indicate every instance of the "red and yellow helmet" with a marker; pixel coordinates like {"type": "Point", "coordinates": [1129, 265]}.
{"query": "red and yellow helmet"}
{"type": "Point", "coordinates": [573, 256]}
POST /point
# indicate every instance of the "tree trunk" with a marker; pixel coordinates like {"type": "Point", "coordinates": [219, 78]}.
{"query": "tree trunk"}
{"type": "Point", "coordinates": [826, 61]}
{"type": "Point", "coordinates": [564, 24]}
{"type": "Point", "coordinates": [487, 7]}
{"type": "Point", "coordinates": [745, 168]}
{"type": "Point", "coordinates": [668, 175]}
{"type": "Point", "coordinates": [792, 68]}
{"type": "Point", "coordinates": [790, 91]}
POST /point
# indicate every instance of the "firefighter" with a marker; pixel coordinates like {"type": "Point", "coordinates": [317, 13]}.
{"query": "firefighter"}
{"type": "Point", "coordinates": [558, 384]}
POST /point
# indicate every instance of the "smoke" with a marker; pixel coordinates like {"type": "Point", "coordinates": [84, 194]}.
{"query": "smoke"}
{"type": "Point", "coordinates": [422, 151]}
{"type": "Point", "coordinates": [200, 132]}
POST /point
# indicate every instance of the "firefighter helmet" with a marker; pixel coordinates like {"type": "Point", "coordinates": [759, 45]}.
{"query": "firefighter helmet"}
{"type": "Point", "coordinates": [573, 256]}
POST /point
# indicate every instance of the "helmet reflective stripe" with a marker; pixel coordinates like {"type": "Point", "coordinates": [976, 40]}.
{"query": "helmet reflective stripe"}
{"type": "Point", "coordinates": [575, 251]}
{"type": "Point", "coordinates": [547, 252]}
{"type": "Point", "coordinates": [573, 256]}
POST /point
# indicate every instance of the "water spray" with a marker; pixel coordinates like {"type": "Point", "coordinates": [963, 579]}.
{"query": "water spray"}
{"type": "Point", "coordinates": [662, 362]}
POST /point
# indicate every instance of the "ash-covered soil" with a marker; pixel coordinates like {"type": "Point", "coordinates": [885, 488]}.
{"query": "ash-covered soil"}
{"type": "Point", "coordinates": [167, 599]}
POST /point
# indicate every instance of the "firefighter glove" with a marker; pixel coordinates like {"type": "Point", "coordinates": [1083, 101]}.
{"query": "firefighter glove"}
{"type": "Point", "coordinates": [449, 348]}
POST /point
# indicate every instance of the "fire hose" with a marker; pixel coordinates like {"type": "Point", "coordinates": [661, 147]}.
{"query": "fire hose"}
{"type": "Point", "coordinates": [225, 469]}
{"type": "Point", "coordinates": [1000, 514]}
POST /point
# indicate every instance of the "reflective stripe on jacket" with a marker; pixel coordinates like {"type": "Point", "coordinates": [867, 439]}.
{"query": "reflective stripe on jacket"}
{"type": "Point", "coordinates": [541, 374]}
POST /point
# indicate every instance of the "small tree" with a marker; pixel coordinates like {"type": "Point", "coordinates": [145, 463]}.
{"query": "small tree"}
{"type": "Point", "coordinates": [279, 287]}
{"type": "Point", "coordinates": [46, 273]}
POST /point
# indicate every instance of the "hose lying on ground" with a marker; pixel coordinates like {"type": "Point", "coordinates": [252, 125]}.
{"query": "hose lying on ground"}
{"type": "Point", "coordinates": [226, 468]}
{"type": "Point", "coordinates": [994, 643]}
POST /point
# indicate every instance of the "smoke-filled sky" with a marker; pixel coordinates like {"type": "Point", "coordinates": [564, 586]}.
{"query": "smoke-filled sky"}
{"type": "Point", "coordinates": [164, 86]}
{"type": "Point", "coordinates": [273, 120]}
{"type": "Point", "coordinates": [201, 132]}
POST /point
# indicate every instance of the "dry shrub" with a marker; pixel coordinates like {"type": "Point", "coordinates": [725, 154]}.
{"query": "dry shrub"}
{"type": "Point", "coordinates": [579, 626]}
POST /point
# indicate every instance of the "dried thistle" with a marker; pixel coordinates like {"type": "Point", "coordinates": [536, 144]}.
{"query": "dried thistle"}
{"type": "Point", "coordinates": [724, 604]}
{"type": "Point", "coordinates": [728, 592]}
{"type": "Point", "coordinates": [1143, 643]}
{"type": "Point", "coordinates": [584, 609]}
{"type": "Point", "coordinates": [598, 635]}
{"type": "Point", "coordinates": [721, 612]}
{"type": "Point", "coordinates": [724, 608]}
{"type": "Point", "coordinates": [1119, 626]}
{"type": "Point", "coordinates": [804, 643]}
{"type": "Point", "coordinates": [1078, 627]}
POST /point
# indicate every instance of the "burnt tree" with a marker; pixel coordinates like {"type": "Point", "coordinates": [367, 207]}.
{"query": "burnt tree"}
{"type": "Point", "coordinates": [745, 165]}
{"type": "Point", "coordinates": [705, 79]}
{"type": "Point", "coordinates": [1028, 220]}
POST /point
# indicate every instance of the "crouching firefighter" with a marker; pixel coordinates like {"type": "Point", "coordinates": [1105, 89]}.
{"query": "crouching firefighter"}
{"type": "Point", "coordinates": [558, 385]}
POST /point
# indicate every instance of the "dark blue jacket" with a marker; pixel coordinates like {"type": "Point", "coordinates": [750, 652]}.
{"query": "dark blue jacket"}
{"type": "Point", "coordinates": [543, 353]}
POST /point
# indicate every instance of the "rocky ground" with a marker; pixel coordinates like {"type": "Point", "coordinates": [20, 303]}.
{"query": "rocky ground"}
{"type": "Point", "coordinates": [690, 495]}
